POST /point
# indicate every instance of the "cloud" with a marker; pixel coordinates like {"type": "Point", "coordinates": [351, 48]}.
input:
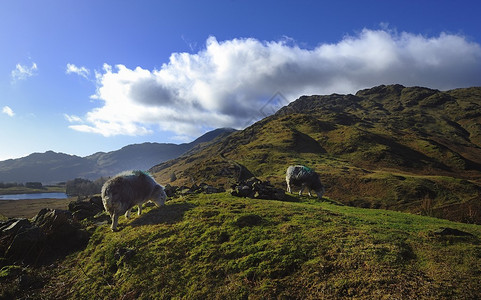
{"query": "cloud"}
{"type": "Point", "coordinates": [81, 71]}
{"type": "Point", "coordinates": [8, 111]}
{"type": "Point", "coordinates": [231, 83]}
{"type": "Point", "coordinates": [23, 72]}
{"type": "Point", "coordinates": [72, 118]}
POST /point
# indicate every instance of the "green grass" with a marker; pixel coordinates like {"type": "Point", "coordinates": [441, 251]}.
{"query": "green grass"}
{"type": "Point", "coordinates": [222, 247]}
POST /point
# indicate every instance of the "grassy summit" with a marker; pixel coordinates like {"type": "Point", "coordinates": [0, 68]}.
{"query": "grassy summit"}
{"type": "Point", "coordinates": [223, 247]}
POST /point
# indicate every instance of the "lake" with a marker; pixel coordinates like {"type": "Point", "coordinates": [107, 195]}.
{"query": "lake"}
{"type": "Point", "coordinates": [34, 196]}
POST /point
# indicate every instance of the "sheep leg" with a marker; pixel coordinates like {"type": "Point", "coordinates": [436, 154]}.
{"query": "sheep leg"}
{"type": "Point", "coordinates": [310, 195]}
{"type": "Point", "coordinates": [300, 192]}
{"type": "Point", "coordinates": [115, 219]}
{"type": "Point", "coordinates": [289, 187]}
{"type": "Point", "coordinates": [139, 212]}
{"type": "Point", "coordinates": [127, 213]}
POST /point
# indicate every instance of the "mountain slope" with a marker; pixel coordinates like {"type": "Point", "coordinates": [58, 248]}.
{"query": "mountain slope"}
{"type": "Point", "coordinates": [223, 247]}
{"type": "Point", "coordinates": [51, 167]}
{"type": "Point", "coordinates": [404, 148]}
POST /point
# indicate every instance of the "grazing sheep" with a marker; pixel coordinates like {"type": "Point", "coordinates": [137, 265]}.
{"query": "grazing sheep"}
{"type": "Point", "coordinates": [304, 177]}
{"type": "Point", "coordinates": [124, 191]}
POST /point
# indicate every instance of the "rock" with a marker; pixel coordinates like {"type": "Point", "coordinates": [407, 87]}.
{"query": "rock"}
{"type": "Point", "coordinates": [63, 233]}
{"type": "Point", "coordinates": [97, 201]}
{"type": "Point", "coordinates": [27, 245]}
{"type": "Point", "coordinates": [50, 234]}
{"type": "Point", "coordinates": [255, 188]}
{"type": "Point", "coordinates": [13, 226]}
{"type": "Point", "coordinates": [170, 190]}
{"type": "Point", "coordinates": [194, 188]}
{"type": "Point", "coordinates": [86, 209]}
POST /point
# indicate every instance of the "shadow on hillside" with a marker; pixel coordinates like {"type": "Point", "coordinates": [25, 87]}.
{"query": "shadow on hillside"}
{"type": "Point", "coordinates": [168, 214]}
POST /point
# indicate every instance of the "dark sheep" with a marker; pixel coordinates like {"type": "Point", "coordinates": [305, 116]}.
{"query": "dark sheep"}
{"type": "Point", "coordinates": [124, 191]}
{"type": "Point", "coordinates": [304, 177]}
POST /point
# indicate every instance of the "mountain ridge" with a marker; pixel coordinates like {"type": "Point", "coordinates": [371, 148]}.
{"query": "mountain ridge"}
{"type": "Point", "coordinates": [54, 167]}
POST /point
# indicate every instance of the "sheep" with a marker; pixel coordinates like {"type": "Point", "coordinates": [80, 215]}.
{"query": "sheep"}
{"type": "Point", "coordinates": [124, 191]}
{"type": "Point", "coordinates": [304, 177]}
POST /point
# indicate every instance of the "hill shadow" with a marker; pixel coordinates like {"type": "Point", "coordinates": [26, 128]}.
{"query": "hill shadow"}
{"type": "Point", "coordinates": [168, 214]}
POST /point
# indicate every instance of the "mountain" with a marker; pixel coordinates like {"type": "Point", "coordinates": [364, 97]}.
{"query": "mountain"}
{"type": "Point", "coordinates": [404, 148]}
{"type": "Point", "coordinates": [52, 167]}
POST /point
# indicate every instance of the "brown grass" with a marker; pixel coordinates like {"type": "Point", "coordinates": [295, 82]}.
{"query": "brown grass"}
{"type": "Point", "coordinates": [30, 207]}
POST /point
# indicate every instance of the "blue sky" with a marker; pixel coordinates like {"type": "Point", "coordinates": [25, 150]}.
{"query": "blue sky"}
{"type": "Point", "coordinates": [80, 77]}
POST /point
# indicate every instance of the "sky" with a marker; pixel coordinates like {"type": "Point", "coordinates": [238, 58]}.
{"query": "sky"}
{"type": "Point", "coordinates": [79, 77]}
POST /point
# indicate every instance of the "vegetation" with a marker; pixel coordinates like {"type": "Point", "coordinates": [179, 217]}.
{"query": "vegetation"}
{"type": "Point", "coordinates": [410, 149]}
{"type": "Point", "coordinates": [84, 187]}
{"type": "Point", "coordinates": [223, 247]}
{"type": "Point", "coordinates": [392, 159]}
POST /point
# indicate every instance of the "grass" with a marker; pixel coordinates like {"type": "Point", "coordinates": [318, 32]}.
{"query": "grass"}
{"type": "Point", "coordinates": [26, 190]}
{"type": "Point", "coordinates": [29, 208]}
{"type": "Point", "coordinates": [222, 247]}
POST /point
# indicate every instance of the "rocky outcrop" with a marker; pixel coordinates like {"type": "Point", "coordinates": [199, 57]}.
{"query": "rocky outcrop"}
{"type": "Point", "coordinates": [50, 234]}
{"type": "Point", "coordinates": [86, 209]}
{"type": "Point", "coordinates": [255, 188]}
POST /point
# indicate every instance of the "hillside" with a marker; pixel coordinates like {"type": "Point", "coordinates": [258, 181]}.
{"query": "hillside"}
{"type": "Point", "coordinates": [223, 247]}
{"type": "Point", "coordinates": [52, 167]}
{"type": "Point", "coordinates": [404, 148]}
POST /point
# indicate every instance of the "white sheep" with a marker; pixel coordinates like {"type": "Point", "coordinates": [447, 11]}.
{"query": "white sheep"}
{"type": "Point", "coordinates": [304, 177]}
{"type": "Point", "coordinates": [124, 191]}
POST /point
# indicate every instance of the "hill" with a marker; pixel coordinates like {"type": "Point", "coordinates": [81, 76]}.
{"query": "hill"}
{"type": "Point", "coordinates": [52, 167]}
{"type": "Point", "coordinates": [223, 247]}
{"type": "Point", "coordinates": [412, 149]}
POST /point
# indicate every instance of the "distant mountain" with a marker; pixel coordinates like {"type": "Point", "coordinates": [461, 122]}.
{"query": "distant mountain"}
{"type": "Point", "coordinates": [52, 167]}
{"type": "Point", "coordinates": [405, 148]}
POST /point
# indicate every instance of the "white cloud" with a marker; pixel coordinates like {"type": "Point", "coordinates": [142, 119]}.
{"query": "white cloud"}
{"type": "Point", "coordinates": [73, 118]}
{"type": "Point", "coordinates": [23, 72]}
{"type": "Point", "coordinates": [228, 83]}
{"type": "Point", "coordinates": [81, 71]}
{"type": "Point", "coordinates": [8, 111]}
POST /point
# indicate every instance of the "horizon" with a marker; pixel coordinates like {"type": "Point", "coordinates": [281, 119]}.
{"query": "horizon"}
{"type": "Point", "coordinates": [113, 74]}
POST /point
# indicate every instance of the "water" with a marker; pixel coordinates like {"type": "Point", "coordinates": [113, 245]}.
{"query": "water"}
{"type": "Point", "coordinates": [34, 196]}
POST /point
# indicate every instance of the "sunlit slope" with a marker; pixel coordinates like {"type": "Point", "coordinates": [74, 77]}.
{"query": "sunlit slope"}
{"type": "Point", "coordinates": [404, 148]}
{"type": "Point", "coordinates": [223, 247]}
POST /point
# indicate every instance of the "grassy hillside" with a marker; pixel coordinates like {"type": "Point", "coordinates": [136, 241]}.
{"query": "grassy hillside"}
{"type": "Point", "coordinates": [223, 247]}
{"type": "Point", "coordinates": [405, 148]}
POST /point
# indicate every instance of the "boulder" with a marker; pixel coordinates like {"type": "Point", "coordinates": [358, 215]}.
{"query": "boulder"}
{"type": "Point", "coordinates": [50, 234]}
{"type": "Point", "coordinates": [86, 209]}
{"type": "Point", "coordinates": [97, 201]}
{"type": "Point", "coordinates": [13, 226]}
{"type": "Point", "coordinates": [28, 245]}
{"type": "Point", "coordinates": [170, 190]}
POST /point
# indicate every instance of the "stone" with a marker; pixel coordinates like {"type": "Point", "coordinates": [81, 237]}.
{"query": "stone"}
{"type": "Point", "coordinates": [27, 245]}
{"type": "Point", "coordinates": [15, 225]}
{"type": "Point", "coordinates": [86, 209]}
{"type": "Point", "coordinates": [255, 188]}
